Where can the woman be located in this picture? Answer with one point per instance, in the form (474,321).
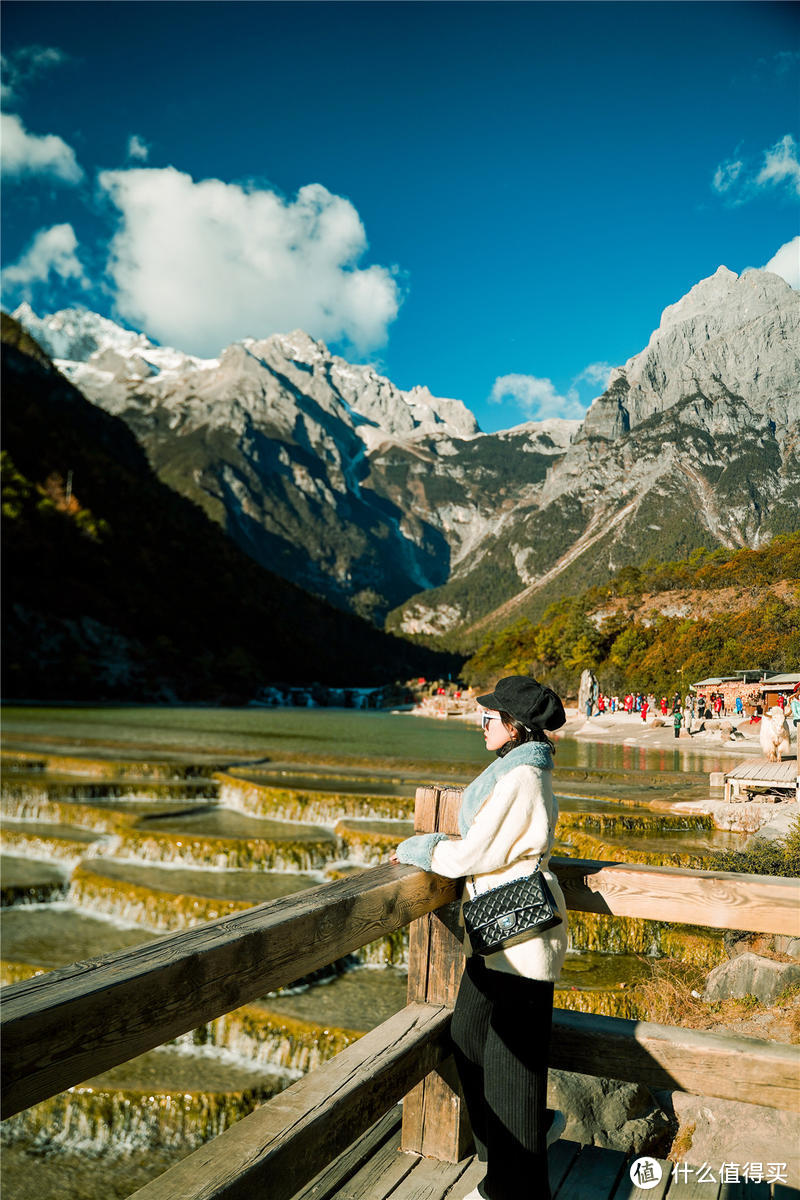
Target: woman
(503,1013)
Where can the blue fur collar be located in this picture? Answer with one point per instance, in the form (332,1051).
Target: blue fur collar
(534,754)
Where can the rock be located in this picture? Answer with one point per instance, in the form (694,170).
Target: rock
(750,975)
(760,943)
(717,1131)
(610,1113)
(587,689)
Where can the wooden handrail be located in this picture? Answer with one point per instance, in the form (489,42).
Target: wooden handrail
(283,1144)
(69,1025)
(671,1057)
(279,1148)
(718,899)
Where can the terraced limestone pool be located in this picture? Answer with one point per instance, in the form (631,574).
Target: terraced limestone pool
(123,824)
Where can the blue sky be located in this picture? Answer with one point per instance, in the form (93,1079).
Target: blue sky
(491,199)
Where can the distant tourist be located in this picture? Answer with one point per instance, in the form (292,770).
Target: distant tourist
(739,706)
(677,721)
(501,1023)
(644,708)
(794,707)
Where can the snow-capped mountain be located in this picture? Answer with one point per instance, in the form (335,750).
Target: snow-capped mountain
(327,473)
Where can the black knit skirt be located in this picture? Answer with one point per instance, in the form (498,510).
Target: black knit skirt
(501,1037)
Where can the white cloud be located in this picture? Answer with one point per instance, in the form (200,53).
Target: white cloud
(537,397)
(52,252)
(199,264)
(138,148)
(540,399)
(786,262)
(781,164)
(30,154)
(596,373)
(740,181)
(726,175)
(24,64)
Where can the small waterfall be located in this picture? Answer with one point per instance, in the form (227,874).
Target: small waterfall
(604,1001)
(585,845)
(94,1121)
(26,844)
(162,911)
(367,847)
(316,808)
(255,1035)
(248,854)
(614,823)
(37,807)
(635,935)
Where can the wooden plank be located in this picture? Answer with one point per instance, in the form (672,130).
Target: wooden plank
(626,1189)
(685,1184)
(473,1175)
(338,1177)
(426,809)
(434,1115)
(744,1190)
(381,1175)
(430,1179)
(669,1057)
(69,1025)
(720,899)
(560,1158)
(278,1148)
(593,1176)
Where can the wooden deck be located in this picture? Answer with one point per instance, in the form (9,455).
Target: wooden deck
(762,774)
(375,1168)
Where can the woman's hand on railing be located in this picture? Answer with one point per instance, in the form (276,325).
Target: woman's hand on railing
(394,859)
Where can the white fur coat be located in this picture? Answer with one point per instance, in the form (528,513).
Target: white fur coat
(516,822)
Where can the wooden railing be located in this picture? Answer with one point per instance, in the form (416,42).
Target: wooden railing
(64,1027)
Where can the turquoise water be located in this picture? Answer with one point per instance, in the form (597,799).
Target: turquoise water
(314,735)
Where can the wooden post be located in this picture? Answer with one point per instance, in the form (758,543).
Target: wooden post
(435,1122)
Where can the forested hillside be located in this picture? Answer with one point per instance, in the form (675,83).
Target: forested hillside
(663,625)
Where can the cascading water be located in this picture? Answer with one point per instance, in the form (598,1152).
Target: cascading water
(137,850)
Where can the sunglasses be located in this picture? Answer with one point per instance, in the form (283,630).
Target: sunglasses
(486,718)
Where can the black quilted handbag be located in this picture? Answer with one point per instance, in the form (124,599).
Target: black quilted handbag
(510,913)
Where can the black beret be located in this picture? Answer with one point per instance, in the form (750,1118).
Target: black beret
(527,701)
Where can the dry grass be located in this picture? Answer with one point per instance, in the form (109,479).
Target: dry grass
(672,996)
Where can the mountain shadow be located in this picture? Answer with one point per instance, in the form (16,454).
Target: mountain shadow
(115,587)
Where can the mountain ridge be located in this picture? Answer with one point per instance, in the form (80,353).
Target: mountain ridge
(391,502)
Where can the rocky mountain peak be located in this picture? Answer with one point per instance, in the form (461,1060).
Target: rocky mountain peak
(730,335)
